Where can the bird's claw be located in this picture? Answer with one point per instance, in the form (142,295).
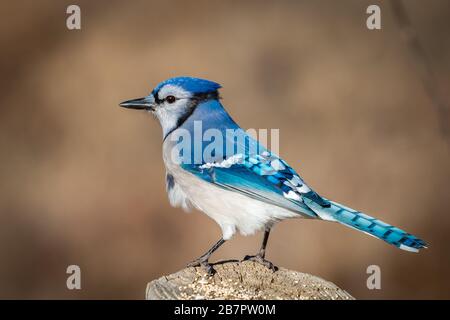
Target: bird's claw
(201,262)
(259,259)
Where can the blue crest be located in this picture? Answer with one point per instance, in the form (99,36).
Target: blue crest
(194,85)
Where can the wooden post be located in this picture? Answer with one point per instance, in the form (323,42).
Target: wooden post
(243,281)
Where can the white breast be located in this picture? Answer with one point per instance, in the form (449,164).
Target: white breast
(231,210)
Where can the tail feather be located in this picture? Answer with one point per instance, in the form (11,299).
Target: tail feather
(367,224)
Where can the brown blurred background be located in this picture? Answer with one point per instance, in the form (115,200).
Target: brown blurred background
(82,180)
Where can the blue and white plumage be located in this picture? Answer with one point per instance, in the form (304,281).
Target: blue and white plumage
(251,188)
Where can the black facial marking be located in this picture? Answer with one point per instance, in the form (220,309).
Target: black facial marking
(194,101)
(170,182)
(200,97)
(157,100)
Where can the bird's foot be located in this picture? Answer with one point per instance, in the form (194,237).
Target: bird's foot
(259,259)
(202,262)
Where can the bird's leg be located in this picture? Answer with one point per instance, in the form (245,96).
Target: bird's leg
(203,260)
(260,256)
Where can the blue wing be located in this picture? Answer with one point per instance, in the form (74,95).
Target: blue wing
(262,176)
(254,171)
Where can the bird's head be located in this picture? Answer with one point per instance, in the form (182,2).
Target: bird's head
(173,100)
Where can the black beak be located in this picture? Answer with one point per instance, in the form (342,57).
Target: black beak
(140,103)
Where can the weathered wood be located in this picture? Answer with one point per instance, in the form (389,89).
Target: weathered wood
(243,280)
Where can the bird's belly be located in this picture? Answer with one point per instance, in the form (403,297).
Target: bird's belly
(231,210)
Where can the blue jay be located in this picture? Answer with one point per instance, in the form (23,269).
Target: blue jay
(247,189)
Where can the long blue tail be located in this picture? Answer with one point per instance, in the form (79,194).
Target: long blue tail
(362,222)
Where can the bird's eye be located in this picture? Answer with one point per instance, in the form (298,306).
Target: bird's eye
(171,99)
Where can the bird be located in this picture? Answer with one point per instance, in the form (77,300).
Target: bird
(239,183)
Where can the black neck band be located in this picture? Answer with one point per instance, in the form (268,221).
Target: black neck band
(193,103)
